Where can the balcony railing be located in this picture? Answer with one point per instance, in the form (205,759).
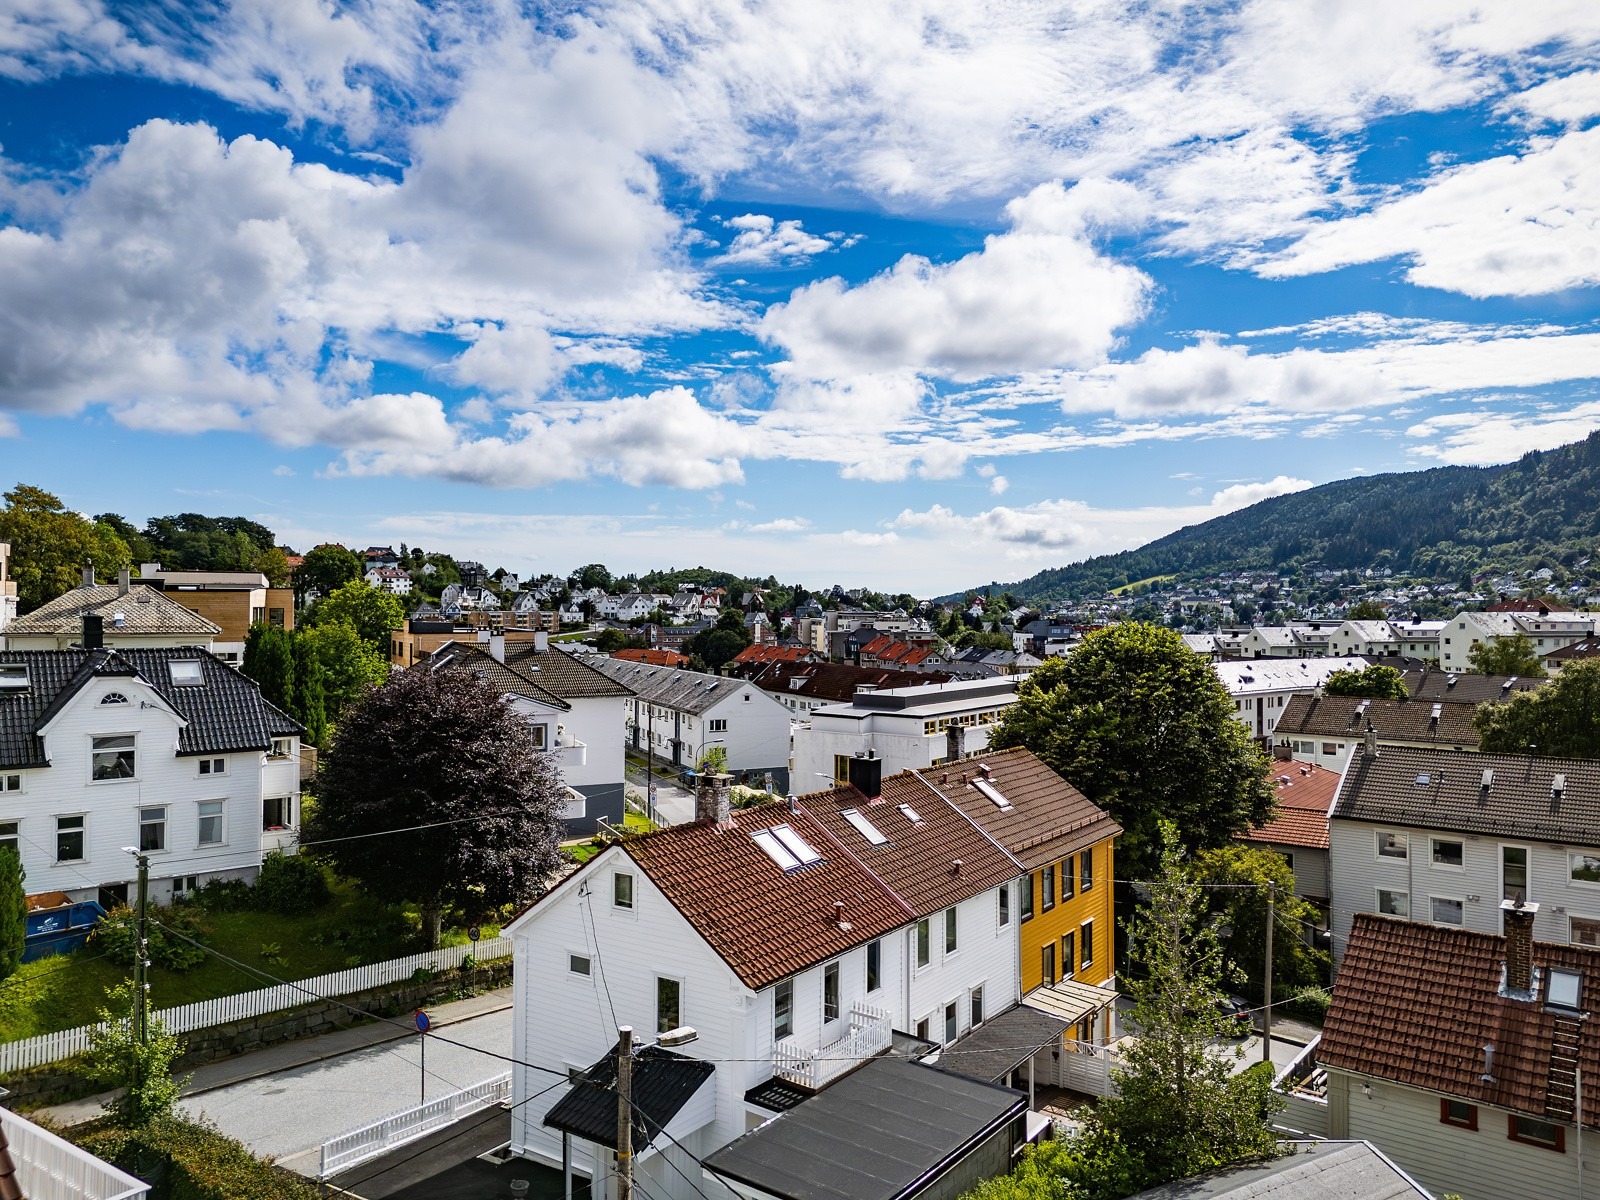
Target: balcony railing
(869,1034)
(569,752)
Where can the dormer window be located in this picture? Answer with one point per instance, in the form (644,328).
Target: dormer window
(113,698)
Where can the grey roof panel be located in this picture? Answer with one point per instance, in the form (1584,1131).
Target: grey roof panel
(663,1083)
(1337,1170)
(1002,1043)
(146,611)
(671,687)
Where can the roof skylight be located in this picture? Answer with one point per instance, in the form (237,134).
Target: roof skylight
(13,677)
(796,845)
(994,794)
(910,813)
(864,827)
(775,850)
(185,672)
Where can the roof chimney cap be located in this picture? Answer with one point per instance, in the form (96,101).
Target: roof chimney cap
(1519,905)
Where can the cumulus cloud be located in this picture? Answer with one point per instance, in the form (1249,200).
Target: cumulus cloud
(780,525)
(1477,438)
(1038,295)
(762,241)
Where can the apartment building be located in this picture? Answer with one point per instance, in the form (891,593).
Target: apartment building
(231,600)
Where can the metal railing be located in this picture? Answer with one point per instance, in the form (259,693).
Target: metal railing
(870,1033)
(368,1141)
(204,1014)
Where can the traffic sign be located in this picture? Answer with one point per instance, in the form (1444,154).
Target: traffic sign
(473,933)
(424,1023)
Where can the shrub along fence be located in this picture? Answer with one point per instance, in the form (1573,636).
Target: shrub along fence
(203,1014)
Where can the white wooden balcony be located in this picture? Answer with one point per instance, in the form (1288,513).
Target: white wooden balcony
(868,1033)
(569,752)
(279,837)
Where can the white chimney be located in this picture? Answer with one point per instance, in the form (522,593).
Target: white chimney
(497,647)
(541,642)
(124,579)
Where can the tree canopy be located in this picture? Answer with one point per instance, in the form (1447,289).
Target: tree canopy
(1367,610)
(1237,878)
(325,568)
(1511,655)
(13,910)
(440,749)
(372,612)
(1143,727)
(51,545)
(350,665)
(1561,719)
(1376,682)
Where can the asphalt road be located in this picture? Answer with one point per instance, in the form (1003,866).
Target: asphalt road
(291,1113)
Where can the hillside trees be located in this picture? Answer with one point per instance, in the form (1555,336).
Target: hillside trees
(50,545)
(1144,728)
(373,613)
(1559,720)
(439,749)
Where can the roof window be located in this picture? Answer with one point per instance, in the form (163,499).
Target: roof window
(1558,785)
(910,813)
(993,793)
(1562,988)
(185,672)
(13,677)
(864,827)
(1424,779)
(786,847)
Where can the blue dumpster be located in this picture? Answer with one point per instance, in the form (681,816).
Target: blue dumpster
(60,930)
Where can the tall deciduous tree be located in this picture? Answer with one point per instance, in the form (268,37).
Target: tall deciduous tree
(1237,880)
(13,910)
(310,701)
(1377,682)
(1561,719)
(1180,1110)
(50,545)
(371,612)
(1144,728)
(1513,655)
(440,749)
(350,666)
(1367,610)
(325,569)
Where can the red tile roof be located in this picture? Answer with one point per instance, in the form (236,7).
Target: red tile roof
(1305,794)
(1048,818)
(764,922)
(768,654)
(1416,1003)
(656,658)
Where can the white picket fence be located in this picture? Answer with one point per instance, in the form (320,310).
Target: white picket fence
(204,1014)
(369,1141)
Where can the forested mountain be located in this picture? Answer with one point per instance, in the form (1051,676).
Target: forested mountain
(1542,510)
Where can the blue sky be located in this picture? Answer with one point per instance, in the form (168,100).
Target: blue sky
(913,296)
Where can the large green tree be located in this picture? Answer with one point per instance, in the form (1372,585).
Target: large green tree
(51,545)
(1180,1110)
(1511,655)
(1367,610)
(13,910)
(371,612)
(1237,881)
(269,660)
(1559,720)
(350,666)
(1143,727)
(1376,682)
(325,569)
(439,749)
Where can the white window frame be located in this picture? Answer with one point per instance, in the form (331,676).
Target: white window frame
(1085,962)
(977,1015)
(950,1014)
(213,766)
(83,832)
(922,945)
(834,968)
(1377,902)
(782,985)
(1572,878)
(220,817)
(93,753)
(1003,900)
(541,735)
(288,812)
(717,725)
(1433,851)
(1528,867)
(281,747)
(14,840)
(1377,845)
(632,906)
(166,816)
(574,958)
(683,992)
(876,945)
(1461,900)
(12,781)
(952,931)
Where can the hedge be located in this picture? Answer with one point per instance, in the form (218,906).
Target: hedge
(181,1160)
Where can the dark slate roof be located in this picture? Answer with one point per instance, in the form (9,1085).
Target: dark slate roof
(1391,720)
(875,1135)
(835,681)
(224,713)
(1335,1170)
(144,608)
(1430,683)
(1415,1003)
(663,1083)
(1443,789)
(1001,1044)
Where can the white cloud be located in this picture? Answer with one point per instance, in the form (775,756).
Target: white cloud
(283,470)
(1516,225)
(999,485)
(1567,99)
(1038,295)
(780,525)
(1477,438)
(1242,495)
(763,242)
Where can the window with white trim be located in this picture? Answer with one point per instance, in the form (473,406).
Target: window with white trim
(717,725)
(622,890)
(282,747)
(1448,910)
(578,964)
(153,827)
(11,835)
(1585,868)
(1449,853)
(112,757)
(69,838)
(11,782)
(783,1010)
(830,992)
(213,766)
(210,814)
(277,812)
(1394,904)
(1393,843)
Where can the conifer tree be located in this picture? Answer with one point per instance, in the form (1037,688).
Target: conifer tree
(13,910)
(310,705)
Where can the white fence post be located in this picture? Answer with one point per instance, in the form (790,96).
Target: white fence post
(206,1014)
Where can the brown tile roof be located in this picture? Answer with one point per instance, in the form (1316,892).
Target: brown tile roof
(767,654)
(1392,720)
(1576,652)
(1430,683)
(1048,818)
(1443,789)
(837,681)
(917,861)
(567,675)
(508,680)
(1305,794)
(1416,1003)
(766,923)
(145,611)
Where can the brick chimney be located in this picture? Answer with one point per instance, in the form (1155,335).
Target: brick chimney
(713,798)
(1518,917)
(955,741)
(88,575)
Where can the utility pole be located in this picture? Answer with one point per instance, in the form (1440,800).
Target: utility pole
(625,1112)
(141,965)
(1266,1013)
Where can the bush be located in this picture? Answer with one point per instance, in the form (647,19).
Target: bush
(291,885)
(187,1161)
(224,896)
(117,936)
(1308,1004)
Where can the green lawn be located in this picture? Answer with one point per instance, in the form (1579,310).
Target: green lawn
(352,930)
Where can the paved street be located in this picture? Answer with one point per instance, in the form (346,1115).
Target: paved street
(674,805)
(290,1113)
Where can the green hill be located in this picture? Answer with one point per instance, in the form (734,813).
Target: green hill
(1542,510)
